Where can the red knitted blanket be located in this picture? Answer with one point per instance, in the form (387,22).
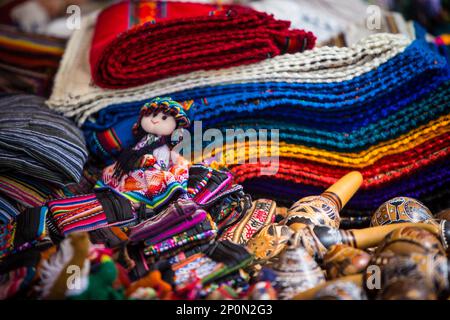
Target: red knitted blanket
(136,42)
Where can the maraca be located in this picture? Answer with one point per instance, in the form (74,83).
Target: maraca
(407,240)
(313,210)
(324,209)
(401,209)
(317,240)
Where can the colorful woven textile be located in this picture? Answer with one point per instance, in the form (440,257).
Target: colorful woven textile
(184,37)
(178,214)
(27,231)
(28,62)
(201,233)
(386,114)
(89,212)
(74,94)
(8,212)
(12,282)
(260,214)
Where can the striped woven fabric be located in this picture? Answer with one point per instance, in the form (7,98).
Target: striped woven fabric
(156,202)
(36,140)
(28,62)
(8,212)
(27,231)
(89,212)
(201,233)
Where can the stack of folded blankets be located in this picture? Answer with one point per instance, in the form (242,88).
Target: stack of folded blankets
(29,172)
(28,62)
(118,50)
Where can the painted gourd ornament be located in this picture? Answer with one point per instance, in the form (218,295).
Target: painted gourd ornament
(309,211)
(429,274)
(401,209)
(269,242)
(296,271)
(341,290)
(407,289)
(317,240)
(407,240)
(324,209)
(342,260)
(443,215)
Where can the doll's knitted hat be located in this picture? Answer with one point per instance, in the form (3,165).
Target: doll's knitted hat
(167,106)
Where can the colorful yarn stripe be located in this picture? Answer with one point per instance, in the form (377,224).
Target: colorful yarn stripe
(8,212)
(418,185)
(27,191)
(155,202)
(201,184)
(294,111)
(343,64)
(183,240)
(82,213)
(304,172)
(354,160)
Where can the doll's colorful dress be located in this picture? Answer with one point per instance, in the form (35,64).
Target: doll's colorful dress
(158,179)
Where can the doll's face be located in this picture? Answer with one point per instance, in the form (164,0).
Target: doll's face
(159,124)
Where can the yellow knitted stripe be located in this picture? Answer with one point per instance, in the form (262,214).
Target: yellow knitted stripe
(355,160)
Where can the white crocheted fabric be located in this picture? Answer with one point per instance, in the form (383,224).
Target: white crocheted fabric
(74,95)
(325,18)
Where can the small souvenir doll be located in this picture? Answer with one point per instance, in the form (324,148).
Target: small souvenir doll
(150,172)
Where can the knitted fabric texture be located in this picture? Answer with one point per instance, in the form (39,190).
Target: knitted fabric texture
(74,95)
(36,140)
(223,36)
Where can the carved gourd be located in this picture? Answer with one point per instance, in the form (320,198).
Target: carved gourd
(324,209)
(401,209)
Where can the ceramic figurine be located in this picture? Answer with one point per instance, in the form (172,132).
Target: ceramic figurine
(324,209)
(295,271)
(343,260)
(401,209)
